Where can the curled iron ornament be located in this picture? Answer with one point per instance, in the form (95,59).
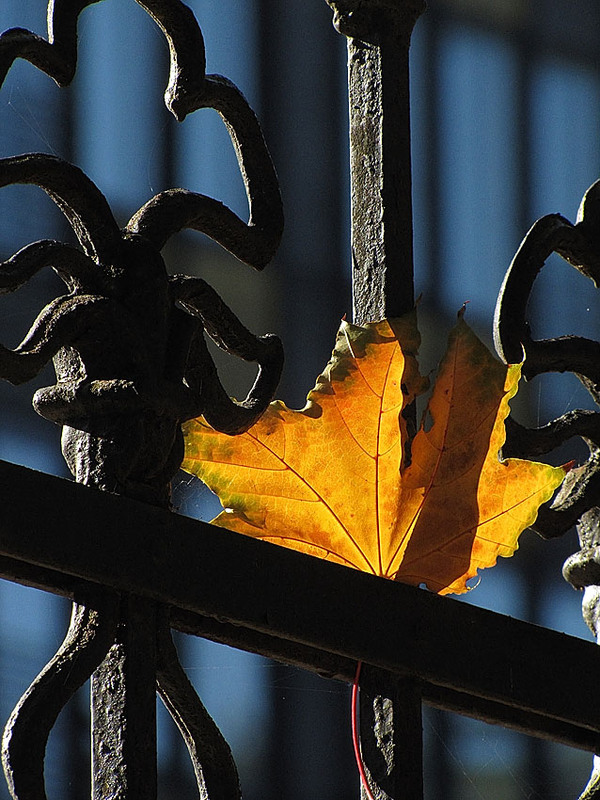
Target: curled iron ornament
(128,346)
(578,501)
(579,245)
(127,341)
(87,641)
(57,55)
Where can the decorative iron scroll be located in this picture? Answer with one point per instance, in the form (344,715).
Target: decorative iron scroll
(579,245)
(131,361)
(578,501)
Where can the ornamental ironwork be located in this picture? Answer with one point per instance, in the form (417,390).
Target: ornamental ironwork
(128,346)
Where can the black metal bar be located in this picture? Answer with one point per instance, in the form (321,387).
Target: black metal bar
(330,665)
(277,594)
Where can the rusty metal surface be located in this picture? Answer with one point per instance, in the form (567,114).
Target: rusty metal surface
(380,167)
(123,692)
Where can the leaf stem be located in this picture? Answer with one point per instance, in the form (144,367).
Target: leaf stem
(355,738)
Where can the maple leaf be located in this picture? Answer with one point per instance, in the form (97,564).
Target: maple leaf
(341,479)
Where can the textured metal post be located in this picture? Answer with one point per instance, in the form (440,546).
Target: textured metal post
(582,570)
(379,34)
(391,738)
(124,708)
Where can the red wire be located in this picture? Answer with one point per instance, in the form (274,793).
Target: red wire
(355,738)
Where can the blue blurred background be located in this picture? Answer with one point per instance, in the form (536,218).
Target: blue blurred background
(506,112)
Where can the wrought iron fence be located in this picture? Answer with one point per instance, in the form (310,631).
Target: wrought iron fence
(128,347)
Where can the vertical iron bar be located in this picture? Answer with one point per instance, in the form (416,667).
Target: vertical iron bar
(391,738)
(124,708)
(379,34)
(582,570)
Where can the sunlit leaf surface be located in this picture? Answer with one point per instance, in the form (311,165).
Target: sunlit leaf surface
(341,479)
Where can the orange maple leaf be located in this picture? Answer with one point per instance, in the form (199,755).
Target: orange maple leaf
(341,479)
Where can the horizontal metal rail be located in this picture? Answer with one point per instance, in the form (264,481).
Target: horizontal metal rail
(59,536)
